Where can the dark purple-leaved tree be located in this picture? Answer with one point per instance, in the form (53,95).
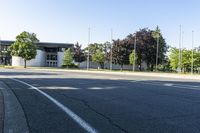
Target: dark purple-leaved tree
(78,53)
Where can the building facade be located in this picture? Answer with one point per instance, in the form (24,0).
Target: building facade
(48,54)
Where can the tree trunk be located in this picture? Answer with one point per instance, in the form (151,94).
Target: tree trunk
(24,63)
(152,66)
(140,67)
(148,67)
(79,65)
(101,65)
(121,67)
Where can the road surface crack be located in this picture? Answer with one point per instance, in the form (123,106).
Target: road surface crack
(104,116)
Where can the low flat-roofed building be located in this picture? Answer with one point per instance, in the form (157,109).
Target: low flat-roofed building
(48,54)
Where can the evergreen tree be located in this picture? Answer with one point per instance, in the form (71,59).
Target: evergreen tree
(68,58)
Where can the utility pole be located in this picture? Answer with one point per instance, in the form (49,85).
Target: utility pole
(111,37)
(88,58)
(182,52)
(157,36)
(135,52)
(192,64)
(157,54)
(179,59)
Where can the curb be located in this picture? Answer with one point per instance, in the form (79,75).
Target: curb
(1,111)
(145,74)
(14,118)
(162,75)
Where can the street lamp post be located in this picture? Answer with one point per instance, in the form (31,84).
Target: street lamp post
(179,58)
(88,57)
(134,52)
(111,49)
(157,54)
(156,35)
(192,63)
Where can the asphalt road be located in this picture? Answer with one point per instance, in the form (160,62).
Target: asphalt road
(73,102)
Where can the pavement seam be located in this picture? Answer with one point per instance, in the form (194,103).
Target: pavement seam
(104,116)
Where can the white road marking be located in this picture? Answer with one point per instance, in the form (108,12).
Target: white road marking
(172,85)
(102,88)
(59,88)
(168,84)
(69,112)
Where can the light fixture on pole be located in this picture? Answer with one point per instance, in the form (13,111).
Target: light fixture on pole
(192,63)
(88,56)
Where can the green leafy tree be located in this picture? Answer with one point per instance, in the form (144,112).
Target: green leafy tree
(103,47)
(24,46)
(106,49)
(132,57)
(156,33)
(197,60)
(174,58)
(93,49)
(186,59)
(99,57)
(68,58)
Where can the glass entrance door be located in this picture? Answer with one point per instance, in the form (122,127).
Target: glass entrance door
(51,59)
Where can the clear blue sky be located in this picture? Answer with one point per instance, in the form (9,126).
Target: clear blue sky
(68,20)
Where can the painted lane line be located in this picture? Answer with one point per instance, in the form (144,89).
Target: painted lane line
(70,113)
(172,85)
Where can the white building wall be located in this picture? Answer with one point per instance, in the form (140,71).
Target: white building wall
(40,60)
(60,56)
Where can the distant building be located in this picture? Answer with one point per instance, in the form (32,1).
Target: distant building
(48,54)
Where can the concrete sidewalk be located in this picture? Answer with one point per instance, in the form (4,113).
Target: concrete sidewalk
(147,74)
